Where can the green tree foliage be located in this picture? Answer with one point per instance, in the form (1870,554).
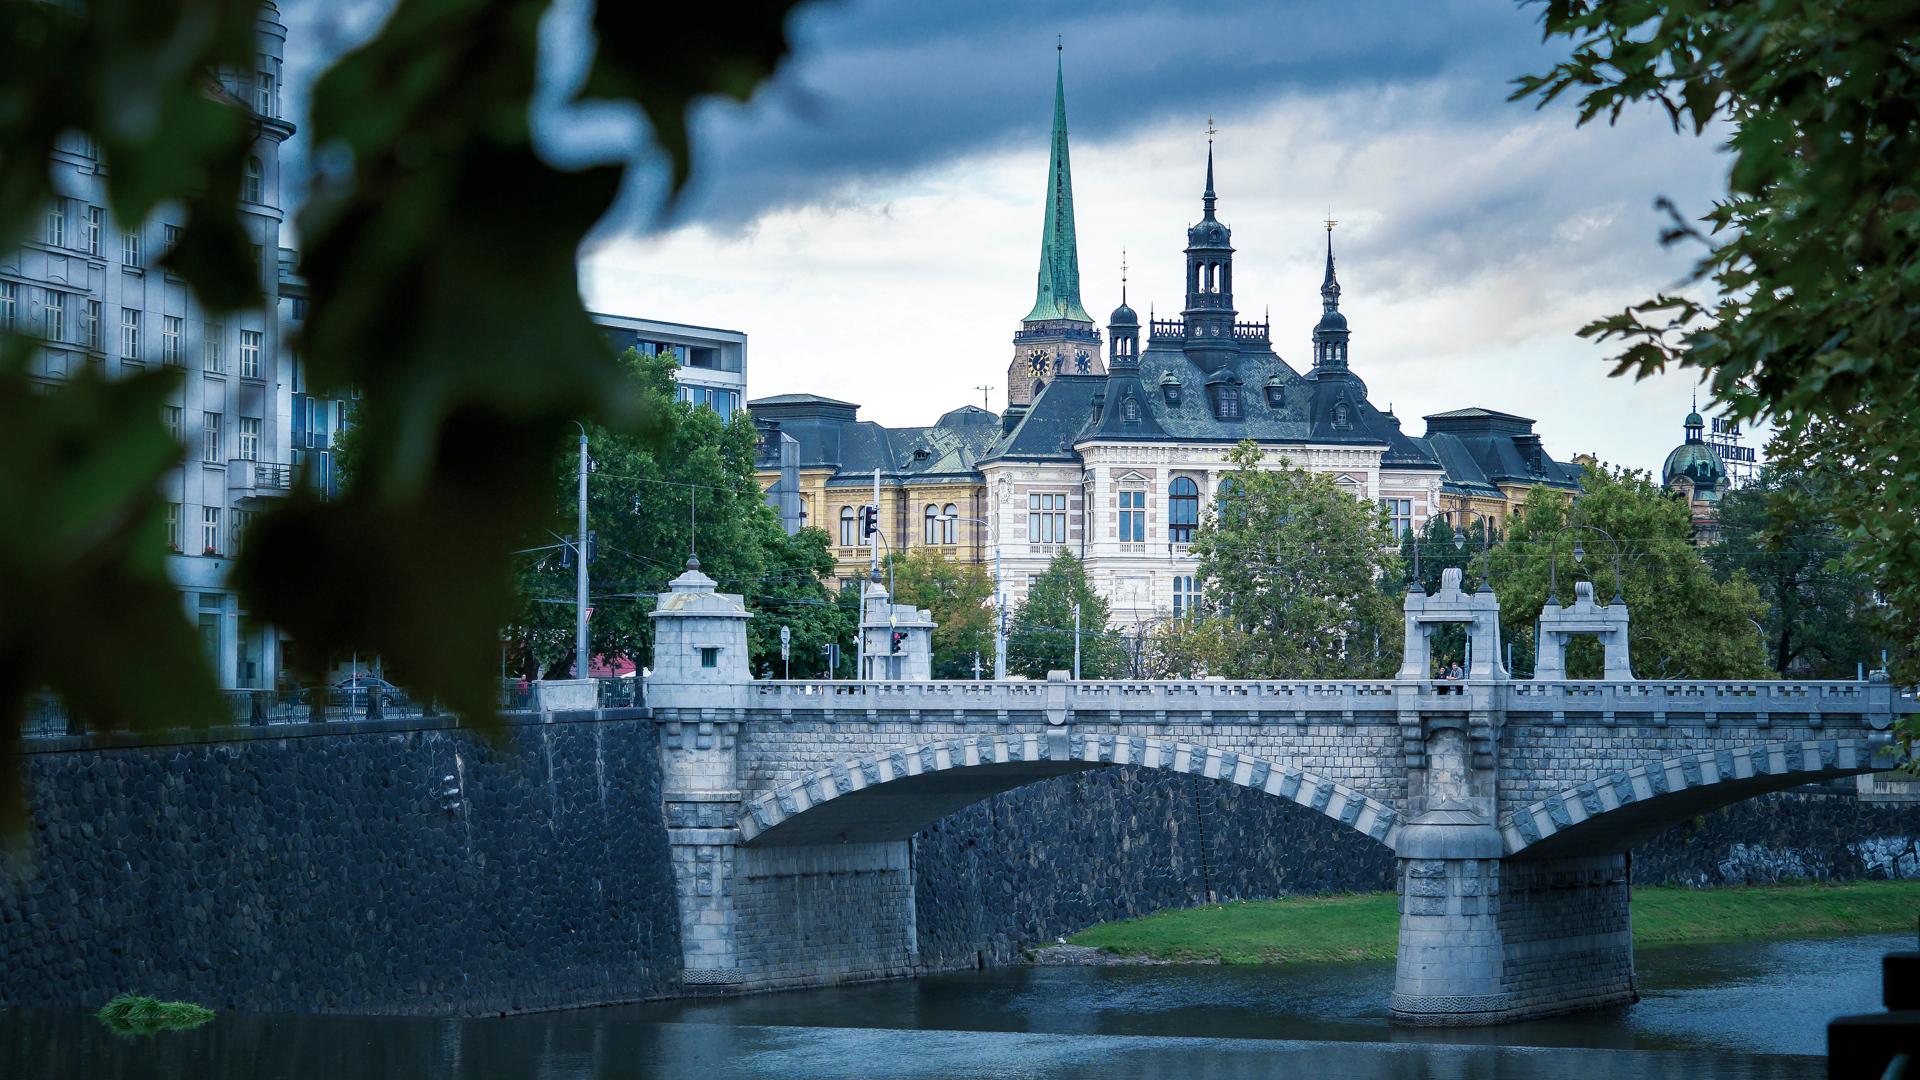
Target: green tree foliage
(433,290)
(1300,575)
(1190,648)
(1041,636)
(650,507)
(960,597)
(1811,300)
(1687,623)
(1822,615)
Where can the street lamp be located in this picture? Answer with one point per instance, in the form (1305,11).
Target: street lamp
(1486,544)
(1579,555)
(999,602)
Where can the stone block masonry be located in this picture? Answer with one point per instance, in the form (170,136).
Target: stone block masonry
(402,867)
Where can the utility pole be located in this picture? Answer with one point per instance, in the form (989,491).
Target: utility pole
(1076,640)
(580,570)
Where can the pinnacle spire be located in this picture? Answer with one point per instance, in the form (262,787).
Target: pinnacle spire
(1208,198)
(1057,294)
(1330,285)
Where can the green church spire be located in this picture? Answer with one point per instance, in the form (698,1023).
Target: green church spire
(1058,294)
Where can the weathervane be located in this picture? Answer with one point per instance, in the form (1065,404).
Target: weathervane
(1123,275)
(1211,130)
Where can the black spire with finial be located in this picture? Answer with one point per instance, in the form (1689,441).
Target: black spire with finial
(1330,334)
(1207,198)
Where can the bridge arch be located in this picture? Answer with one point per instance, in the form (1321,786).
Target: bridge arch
(893,795)
(1615,811)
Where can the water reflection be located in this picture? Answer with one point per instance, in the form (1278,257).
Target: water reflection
(1736,1011)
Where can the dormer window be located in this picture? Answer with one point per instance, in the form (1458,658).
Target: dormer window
(1170,387)
(1342,416)
(1130,410)
(1277,394)
(1226,402)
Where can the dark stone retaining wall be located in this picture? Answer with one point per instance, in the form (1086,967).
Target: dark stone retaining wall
(1056,857)
(376,867)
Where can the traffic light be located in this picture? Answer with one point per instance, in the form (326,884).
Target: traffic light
(899,642)
(869,521)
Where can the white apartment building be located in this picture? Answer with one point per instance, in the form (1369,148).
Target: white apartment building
(92,288)
(713,363)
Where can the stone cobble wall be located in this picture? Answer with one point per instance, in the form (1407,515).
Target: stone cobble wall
(1791,836)
(1058,856)
(390,867)
(1566,933)
(1540,759)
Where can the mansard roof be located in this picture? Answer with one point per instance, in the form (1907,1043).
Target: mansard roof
(1331,409)
(1483,448)
(830,436)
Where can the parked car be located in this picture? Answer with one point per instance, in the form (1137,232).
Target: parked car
(353,692)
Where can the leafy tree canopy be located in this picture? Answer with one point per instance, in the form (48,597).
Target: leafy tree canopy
(1041,638)
(1823,619)
(1812,303)
(1687,623)
(960,597)
(1301,575)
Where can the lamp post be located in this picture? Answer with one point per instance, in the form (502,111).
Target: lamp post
(999,602)
(1579,554)
(1486,543)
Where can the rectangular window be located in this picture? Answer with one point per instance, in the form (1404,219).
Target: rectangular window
(1133,517)
(9,305)
(250,341)
(210,438)
(172,329)
(1399,515)
(130,248)
(1047,518)
(171,236)
(170,415)
(709,656)
(90,325)
(129,334)
(250,438)
(57,224)
(95,226)
(210,529)
(1186,595)
(214,359)
(56,316)
(263,94)
(240,520)
(173,526)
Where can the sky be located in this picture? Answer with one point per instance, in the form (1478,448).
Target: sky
(871,218)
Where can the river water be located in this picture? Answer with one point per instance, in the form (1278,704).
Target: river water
(1754,1010)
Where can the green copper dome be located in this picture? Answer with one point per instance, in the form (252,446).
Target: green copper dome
(1699,464)
(1058,293)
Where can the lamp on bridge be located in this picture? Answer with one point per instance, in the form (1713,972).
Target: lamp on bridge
(1486,544)
(1579,555)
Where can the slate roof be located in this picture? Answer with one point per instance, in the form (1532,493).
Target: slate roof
(1309,409)
(830,436)
(1483,448)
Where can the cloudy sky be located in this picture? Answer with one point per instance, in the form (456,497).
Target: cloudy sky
(871,219)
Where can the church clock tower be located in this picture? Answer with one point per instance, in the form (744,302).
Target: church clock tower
(1057,337)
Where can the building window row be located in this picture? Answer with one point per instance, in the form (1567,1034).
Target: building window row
(1133,517)
(1186,596)
(1399,516)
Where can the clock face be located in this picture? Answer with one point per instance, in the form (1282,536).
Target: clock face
(1037,362)
(1081,363)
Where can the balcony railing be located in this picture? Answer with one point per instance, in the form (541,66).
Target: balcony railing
(264,479)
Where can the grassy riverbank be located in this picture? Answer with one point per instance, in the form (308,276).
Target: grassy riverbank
(1364,927)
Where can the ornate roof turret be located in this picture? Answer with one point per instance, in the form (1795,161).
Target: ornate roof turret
(1330,333)
(1696,462)
(1057,295)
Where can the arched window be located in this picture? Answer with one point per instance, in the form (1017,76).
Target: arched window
(950,525)
(1038,385)
(1183,509)
(933,524)
(1226,498)
(255,187)
(849,531)
(1130,410)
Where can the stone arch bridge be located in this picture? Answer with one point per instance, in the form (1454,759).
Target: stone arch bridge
(1510,804)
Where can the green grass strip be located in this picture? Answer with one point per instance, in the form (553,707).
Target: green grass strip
(1365,927)
(131,1014)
